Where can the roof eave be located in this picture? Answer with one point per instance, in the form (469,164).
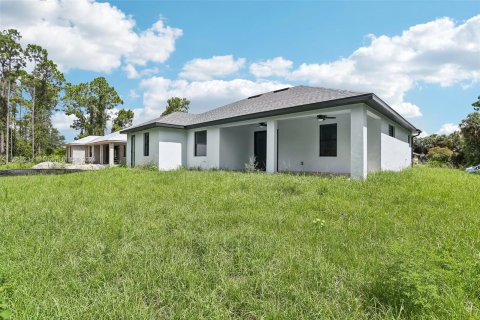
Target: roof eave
(106,142)
(381,106)
(151,125)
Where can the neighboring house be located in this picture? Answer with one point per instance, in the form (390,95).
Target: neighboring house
(109,149)
(292,129)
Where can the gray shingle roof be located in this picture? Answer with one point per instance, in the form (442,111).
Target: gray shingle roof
(282,100)
(274,100)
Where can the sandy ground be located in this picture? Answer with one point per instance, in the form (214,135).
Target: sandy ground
(57,165)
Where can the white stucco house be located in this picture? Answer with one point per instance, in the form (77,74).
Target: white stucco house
(109,149)
(292,129)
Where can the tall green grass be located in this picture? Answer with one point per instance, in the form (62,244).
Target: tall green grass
(135,244)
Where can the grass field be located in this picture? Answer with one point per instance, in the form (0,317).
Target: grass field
(137,244)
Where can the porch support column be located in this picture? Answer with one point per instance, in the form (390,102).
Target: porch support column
(110,155)
(213,148)
(358,141)
(101,153)
(271,146)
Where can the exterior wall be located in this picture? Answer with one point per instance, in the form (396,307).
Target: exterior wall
(236,146)
(170,155)
(170,135)
(140,159)
(374,144)
(396,153)
(231,145)
(299,141)
(212,159)
(157,135)
(359,142)
(78,154)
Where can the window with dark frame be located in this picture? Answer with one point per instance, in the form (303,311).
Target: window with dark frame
(391,130)
(125,151)
(146,144)
(200,143)
(328,140)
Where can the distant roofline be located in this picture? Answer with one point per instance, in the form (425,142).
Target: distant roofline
(96,140)
(370,99)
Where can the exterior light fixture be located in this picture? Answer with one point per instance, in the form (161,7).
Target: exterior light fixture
(262,125)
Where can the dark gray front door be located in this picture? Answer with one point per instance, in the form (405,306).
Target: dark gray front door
(260,149)
(106,152)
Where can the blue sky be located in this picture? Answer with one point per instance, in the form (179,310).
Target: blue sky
(421,57)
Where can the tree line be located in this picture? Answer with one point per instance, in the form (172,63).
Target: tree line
(32,89)
(458,149)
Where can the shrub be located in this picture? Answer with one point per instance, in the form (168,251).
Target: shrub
(440,154)
(438,164)
(150,166)
(251,165)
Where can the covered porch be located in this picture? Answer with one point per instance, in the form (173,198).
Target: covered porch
(344,140)
(113,153)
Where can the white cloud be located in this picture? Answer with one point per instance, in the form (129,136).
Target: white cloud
(133,94)
(155,44)
(133,73)
(438,52)
(448,128)
(423,134)
(88,35)
(272,67)
(207,69)
(204,95)
(62,122)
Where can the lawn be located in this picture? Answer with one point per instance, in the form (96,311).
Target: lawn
(137,244)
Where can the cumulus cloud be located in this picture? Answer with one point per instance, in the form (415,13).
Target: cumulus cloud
(204,95)
(423,134)
(133,73)
(438,52)
(207,69)
(272,67)
(88,35)
(155,44)
(133,94)
(62,122)
(448,128)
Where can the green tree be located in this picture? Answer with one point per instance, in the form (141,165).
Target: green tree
(476,104)
(123,119)
(440,154)
(76,104)
(90,103)
(470,128)
(103,98)
(11,61)
(28,98)
(46,84)
(453,142)
(176,104)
